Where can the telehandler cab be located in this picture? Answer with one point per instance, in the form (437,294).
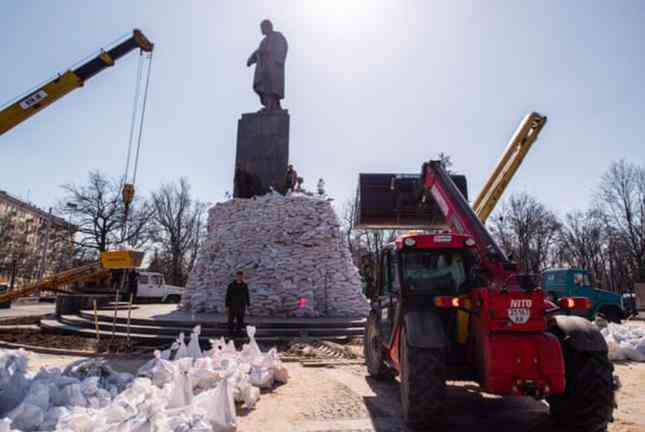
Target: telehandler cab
(449,305)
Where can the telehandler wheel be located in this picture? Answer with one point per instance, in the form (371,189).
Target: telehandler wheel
(612,314)
(588,401)
(423,383)
(373,349)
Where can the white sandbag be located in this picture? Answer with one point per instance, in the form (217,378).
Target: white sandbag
(81,420)
(182,350)
(187,421)
(624,342)
(182,393)
(118,412)
(193,348)
(53,415)
(280,372)
(48,374)
(38,395)
(26,417)
(89,386)
(73,396)
(218,406)
(13,380)
(205,378)
(159,370)
(119,379)
(261,377)
(253,345)
(640,346)
(5,425)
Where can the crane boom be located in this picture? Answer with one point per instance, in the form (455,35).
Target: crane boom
(508,165)
(45,95)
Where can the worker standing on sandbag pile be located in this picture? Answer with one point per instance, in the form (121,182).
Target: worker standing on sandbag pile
(291,180)
(237,300)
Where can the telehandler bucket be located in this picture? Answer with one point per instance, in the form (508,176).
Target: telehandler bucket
(394,201)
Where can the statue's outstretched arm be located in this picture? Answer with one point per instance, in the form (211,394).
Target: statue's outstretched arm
(253,58)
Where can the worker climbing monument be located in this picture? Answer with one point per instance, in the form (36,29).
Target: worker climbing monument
(289,246)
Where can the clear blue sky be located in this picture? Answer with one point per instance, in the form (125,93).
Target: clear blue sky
(371,86)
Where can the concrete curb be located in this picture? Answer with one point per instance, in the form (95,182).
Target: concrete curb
(4,327)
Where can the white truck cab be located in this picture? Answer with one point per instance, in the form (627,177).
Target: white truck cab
(152,286)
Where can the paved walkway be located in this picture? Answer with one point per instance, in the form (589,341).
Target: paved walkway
(27,310)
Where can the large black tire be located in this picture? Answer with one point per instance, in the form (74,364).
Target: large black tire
(588,403)
(423,384)
(612,313)
(373,349)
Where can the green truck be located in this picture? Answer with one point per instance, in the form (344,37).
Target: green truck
(574,282)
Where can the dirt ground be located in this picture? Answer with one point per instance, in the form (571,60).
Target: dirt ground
(345,399)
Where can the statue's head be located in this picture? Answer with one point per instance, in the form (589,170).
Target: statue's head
(266,26)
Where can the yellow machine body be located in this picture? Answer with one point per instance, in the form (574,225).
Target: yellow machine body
(124,259)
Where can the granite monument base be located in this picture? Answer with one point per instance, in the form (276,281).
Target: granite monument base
(262,153)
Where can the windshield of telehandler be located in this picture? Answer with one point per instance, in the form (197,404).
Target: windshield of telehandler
(434,271)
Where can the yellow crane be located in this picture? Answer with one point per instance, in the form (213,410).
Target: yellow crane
(36,100)
(511,159)
(26,106)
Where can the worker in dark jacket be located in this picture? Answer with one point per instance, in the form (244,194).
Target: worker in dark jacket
(237,300)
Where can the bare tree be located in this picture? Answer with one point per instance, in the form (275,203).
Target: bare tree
(98,210)
(526,231)
(622,200)
(178,229)
(582,242)
(363,243)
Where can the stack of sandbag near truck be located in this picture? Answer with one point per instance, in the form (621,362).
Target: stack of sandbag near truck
(181,389)
(291,251)
(624,341)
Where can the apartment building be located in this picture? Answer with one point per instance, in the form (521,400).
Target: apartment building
(24,231)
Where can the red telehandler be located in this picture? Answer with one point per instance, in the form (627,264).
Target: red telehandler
(449,305)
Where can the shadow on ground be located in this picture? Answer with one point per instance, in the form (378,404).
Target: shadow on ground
(466,409)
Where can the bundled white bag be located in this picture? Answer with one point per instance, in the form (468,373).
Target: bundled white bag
(280,371)
(182,387)
(193,348)
(253,345)
(182,350)
(218,406)
(159,370)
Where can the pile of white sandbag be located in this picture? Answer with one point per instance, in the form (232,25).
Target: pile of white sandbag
(625,341)
(291,252)
(39,402)
(181,389)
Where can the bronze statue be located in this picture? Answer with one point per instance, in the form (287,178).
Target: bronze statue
(269,59)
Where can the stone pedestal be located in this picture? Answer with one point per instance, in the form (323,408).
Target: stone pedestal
(262,154)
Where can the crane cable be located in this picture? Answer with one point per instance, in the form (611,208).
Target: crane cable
(128,188)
